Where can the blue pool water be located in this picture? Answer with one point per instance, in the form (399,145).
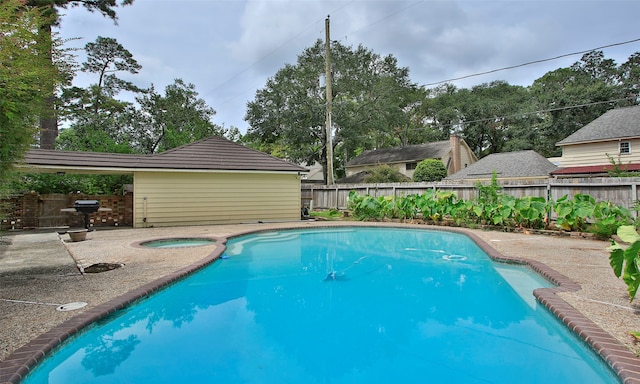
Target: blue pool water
(365,305)
(177,243)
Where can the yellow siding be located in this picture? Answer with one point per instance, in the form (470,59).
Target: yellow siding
(596,154)
(198,198)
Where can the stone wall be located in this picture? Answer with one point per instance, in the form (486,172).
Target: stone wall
(26,211)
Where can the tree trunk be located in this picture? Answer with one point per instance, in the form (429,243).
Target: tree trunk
(48,119)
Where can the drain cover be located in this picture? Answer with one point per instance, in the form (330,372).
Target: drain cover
(102,267)
(71,306)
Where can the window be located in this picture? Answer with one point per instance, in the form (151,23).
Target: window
(625,147)
(411,166)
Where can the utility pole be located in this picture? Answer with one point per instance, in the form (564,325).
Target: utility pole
(329,141)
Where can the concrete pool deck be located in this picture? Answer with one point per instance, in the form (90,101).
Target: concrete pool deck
(39,271)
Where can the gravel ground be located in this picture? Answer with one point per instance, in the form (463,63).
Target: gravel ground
(42,268)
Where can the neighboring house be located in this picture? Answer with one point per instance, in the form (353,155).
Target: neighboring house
(613,136)
(315,175)
(454,153)
(520,165)
(211,181)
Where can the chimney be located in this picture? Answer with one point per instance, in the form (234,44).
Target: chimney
(454,142)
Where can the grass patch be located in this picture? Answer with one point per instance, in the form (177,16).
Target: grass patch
(331,214)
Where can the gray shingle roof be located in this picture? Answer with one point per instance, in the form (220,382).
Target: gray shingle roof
(519,164)
(410,153)
(620,123)
(213,153)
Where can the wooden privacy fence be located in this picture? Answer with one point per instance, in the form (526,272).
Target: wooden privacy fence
(622,191)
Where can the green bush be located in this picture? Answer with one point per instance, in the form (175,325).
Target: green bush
(385,174)
(430,170)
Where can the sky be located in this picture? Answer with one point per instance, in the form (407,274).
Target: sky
(229,48)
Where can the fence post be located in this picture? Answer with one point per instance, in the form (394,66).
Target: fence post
(634,198)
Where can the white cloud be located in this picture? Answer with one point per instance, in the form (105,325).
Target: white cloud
(228,48)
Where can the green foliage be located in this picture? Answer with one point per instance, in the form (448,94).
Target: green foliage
(532,212)
(625,262)
(45,183)
(25,70)
(494,208)
(608,217)
(176,118)
(372,100)
(366,207)
(619,169)
(330,214)
(572,214)
(430,170)
(385,174)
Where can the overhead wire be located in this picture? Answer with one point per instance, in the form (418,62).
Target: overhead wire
(271,52)
(390,15)
(531,62)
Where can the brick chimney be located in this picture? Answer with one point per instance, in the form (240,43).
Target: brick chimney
(454,142)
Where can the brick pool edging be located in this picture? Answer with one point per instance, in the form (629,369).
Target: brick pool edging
(623,362)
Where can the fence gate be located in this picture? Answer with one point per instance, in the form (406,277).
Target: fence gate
(50,214)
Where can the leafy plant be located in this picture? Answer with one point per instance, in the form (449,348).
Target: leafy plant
(531,212)
(626,261)
(367,207)
(572,214)
(608,217)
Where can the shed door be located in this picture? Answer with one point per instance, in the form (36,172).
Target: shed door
(50,214)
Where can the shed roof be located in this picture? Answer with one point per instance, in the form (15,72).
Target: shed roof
(409,153)
(519,164)
(620,123)
(213,153)
(595,169)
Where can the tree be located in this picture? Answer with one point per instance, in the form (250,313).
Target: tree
(371,100)
(573,97)
(430,170)
(179,117)
(629,76)
(98,121)
(106,57)
(25,69)
(48,118)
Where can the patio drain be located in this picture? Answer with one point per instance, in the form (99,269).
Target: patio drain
(102,267)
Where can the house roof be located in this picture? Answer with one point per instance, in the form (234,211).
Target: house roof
(594,169)
(409,153)
(356,178)
(620,123)
(519,164)
(213,153)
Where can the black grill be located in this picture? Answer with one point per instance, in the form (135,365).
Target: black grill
(86,207)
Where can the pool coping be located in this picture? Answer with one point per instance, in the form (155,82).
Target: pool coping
(621,360)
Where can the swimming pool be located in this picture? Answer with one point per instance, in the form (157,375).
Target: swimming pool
(335,305)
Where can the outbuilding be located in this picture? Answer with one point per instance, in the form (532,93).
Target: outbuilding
(211,181)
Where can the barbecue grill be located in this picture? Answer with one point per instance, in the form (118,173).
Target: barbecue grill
(86,207)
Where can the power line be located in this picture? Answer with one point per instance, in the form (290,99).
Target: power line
(531,62)
(386,17)
(273,51)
